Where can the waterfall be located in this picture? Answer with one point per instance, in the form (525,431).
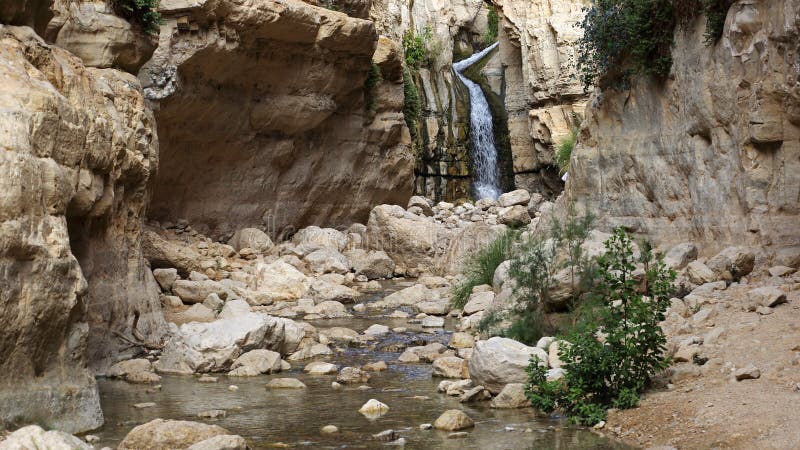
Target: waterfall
(486,177)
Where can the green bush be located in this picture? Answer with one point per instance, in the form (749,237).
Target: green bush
(491,32)
(564,150)
(480,267)
(612,371)
(374,79)
(141,12)
(412,105)
(415,48)
(625,38)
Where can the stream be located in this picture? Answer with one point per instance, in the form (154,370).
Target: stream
(293,418)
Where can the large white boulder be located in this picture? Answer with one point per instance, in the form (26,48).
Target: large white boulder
(518,197)
(213,347)
(409,296)
(278,281)
(372,264)
(500,361)
(34,437)
(327,260)
(251,238)
(313,238)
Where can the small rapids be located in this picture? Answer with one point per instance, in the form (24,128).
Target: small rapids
(484,153)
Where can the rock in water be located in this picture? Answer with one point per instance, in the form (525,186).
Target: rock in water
(285,383)
(373,409)
(512,396)
(453,420)
(160,434)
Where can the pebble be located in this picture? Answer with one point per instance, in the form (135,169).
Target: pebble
(207,379)
(330,429)
(144,405)
(336,385)
(426,426)
(750,372)
(213,414)
(233,388)
(457,435)
(90,438)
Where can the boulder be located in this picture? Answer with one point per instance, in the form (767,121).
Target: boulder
(378,366)
(553,360)
(134,371)
(320,368)
(323,291)
(768,296)
(166,278)
(679,256)
(330,309)
(513,198)
(196,313)
(213,347)
(234,308)
(453,420)
(427,353)
(409,240)
(327,260)
(699,273)
(476,394)
(409,296)
(501,275)
(259,361)
(781,271)
(461,340)
(376,330)
(421,203)
(213,302)
(34,437)
(221,442)
(433,322)
(373,264)
(279,281)
(450,367)
(512,396)
(499,361)
(160,434)
(311,351)
(435,307)
(338,334)
(285,383)
(478,301)
(251,238)
(732,263)
(314,238)
(197,291)
(352,375)
(373,408)
(514,216)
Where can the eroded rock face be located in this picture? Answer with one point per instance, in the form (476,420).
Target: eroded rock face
(78,151)
(714,153)
(542,94)
(264,118)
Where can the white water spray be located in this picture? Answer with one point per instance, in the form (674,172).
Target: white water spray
(486,177)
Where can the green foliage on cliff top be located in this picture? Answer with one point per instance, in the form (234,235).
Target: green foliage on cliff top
(612,371)
(412,105)
(141,12)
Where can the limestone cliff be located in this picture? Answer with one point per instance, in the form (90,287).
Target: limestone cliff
(265,118)
(78,150)
(539,85)
(713,153)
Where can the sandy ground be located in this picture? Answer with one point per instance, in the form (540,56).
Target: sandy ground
(703,406)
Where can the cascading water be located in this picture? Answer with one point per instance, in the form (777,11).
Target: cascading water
(486,177)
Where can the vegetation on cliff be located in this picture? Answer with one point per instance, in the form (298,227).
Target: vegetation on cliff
(615,350)
(624,39)
(141,12)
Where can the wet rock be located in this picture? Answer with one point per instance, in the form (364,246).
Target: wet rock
(352,375)
(160,434)
(34,437)
(373,408)
(376,330)
(385,436)
(499,361)
(458,435)
(428,353)
(320,368)
(207,379)
(476,394)
(311,351)
(144,405)
(433,322)
(426,426)
(458,388)
(408,357)
(213,414)
(453,420)
(285,383)
(339,334)
(378,366)
(134,371)
(512,396)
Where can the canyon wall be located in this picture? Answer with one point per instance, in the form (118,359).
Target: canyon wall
(78,151)
(538,82)
(713,153)
(265,117)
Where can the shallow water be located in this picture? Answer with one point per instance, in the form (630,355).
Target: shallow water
(295,417)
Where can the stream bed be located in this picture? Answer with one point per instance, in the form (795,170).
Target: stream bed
(293,418)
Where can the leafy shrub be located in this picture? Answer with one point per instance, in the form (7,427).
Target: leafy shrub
(374,79)
(533,272)
(481,266)
(625,38)
(564,149)
(490,37)
(141,12)
(613,371)
(415,48)
(412,106)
